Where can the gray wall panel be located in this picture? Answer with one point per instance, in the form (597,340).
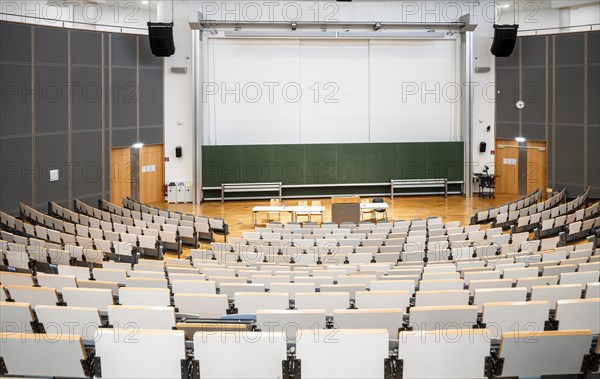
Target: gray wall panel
(51,45)
(534,94)
(593,50)
(593,158)
(15,107)
(87,163)
(594,94)
(507,81)
(569,48)
(51,108)
(151,97)
(86,48)
(51,152)
(569,95)
(15,40)
(124,137)
(124,50)
(152,136)
(16,172)
(505,130)
(534,132)
(124,97)
(86,112)
(90,128)
(569,154)
(533,51)
(147,59)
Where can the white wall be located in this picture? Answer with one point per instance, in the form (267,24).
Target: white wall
(179,96)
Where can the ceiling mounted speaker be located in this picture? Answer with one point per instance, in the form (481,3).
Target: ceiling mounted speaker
(505,38)
(161,38)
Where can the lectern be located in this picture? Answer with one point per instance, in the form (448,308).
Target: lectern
(345,209)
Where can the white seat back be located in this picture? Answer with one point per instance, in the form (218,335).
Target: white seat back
(203,305)
(267,348)
(461,353)
(123,359)
(100,298)
(142,317)
(347,358)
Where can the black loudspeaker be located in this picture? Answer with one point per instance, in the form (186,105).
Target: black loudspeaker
(178,152)
(505,38)
(161,38)
(482,147)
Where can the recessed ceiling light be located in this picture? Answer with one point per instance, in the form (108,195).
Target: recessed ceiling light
(145,2)
(506,6)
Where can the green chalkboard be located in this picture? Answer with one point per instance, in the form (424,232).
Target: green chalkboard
(332,163)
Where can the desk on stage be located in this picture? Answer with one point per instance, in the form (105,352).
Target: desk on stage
(280,209)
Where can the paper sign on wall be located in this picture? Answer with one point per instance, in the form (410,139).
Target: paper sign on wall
(510,161)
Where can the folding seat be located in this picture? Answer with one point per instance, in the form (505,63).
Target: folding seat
(140,273)
(591,266)
(57,355)
(82,230)
(54,236)
(17,259)
(146,282)
(480,275)
(579,277)
(193,286)
(519,273)
(230,289)
(249,302)
(143,317)
(592,290)
(439,298)
(290,321)
(70,321)
(553,293)
(578,314)
(122,359)
(549,243)
(322,300)
(553,353)
(202,305)
(349,288)
(56,281)
(500,317)
(99,298)
(498,295)
(15,279)
(364,280)
(345,359)
(33,295)
(145,296)
(383,299)
(37,253)
(388,319)
(16,317)
(443,317)
(292,288)
(558,270)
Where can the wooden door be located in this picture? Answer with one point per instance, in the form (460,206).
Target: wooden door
(152,178)
(536,166)
(120,174)
(507,167)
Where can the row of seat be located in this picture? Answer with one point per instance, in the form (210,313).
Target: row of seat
(462,353)
(488,215)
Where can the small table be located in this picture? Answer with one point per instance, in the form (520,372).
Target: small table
(292,210)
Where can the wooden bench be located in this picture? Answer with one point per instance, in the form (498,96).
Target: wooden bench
(251,187)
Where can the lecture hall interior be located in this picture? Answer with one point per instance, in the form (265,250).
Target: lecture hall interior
(325,189)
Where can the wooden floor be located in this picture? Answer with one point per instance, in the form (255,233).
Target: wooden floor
(238,214)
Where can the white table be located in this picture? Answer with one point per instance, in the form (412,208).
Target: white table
(279,209)
(367,206)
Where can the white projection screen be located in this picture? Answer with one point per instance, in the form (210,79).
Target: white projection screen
(294,91)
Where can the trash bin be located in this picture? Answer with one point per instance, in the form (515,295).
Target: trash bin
(189,195)
(172,193)
(181,192)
